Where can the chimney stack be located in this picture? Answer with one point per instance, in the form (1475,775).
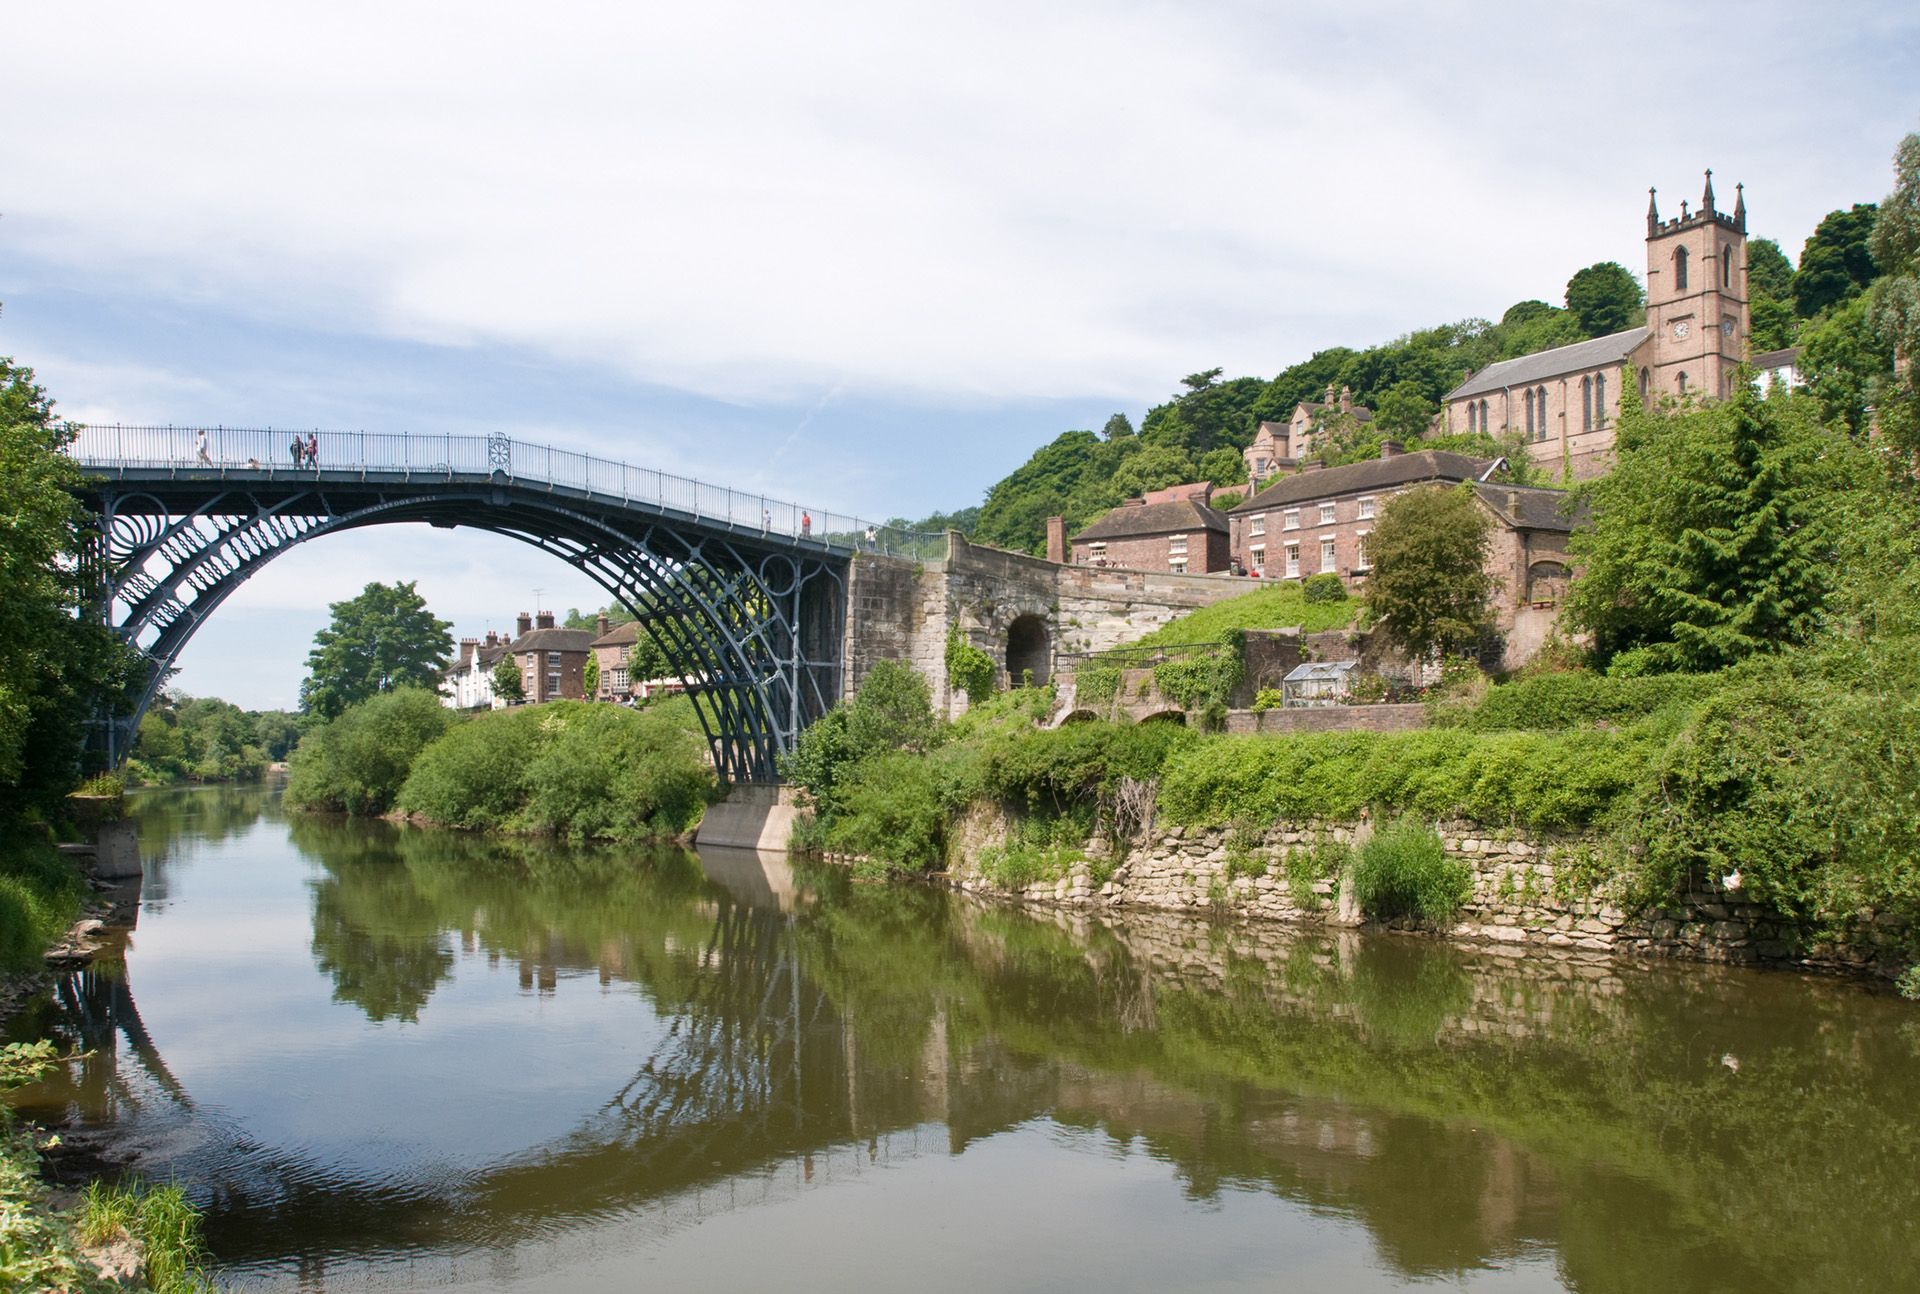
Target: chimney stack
(1057,540)
(467,648)
(1329,399)
(1391,449)
(1346,399)
(543,620)
(525,623)
(600,625)
(493,639)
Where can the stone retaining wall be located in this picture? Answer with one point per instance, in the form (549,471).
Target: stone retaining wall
(1527,896)
(1330,718)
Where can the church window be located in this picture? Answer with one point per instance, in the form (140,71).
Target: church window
(1643,385)
(1679,269)
(1586,404)
(1472,417)
(1683,381)
(1600,400)
(1530,435)
(1484,424)
(1726,267)
(1540,403)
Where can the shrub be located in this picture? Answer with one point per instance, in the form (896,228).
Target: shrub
(1404,871)
(968,668)
(1194,682)
(1578,699)
(357,762)
(39,896)
(1323,588)
(475,776)
(1268,698)
(1306,865)
(1096,685)
(893,812)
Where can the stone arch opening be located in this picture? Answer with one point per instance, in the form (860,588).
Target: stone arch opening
(1029,649)
(1546,583)
(1166,716)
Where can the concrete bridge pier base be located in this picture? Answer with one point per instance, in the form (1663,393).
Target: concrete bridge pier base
(751,817)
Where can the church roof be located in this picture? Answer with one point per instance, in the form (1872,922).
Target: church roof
(1131,520)
(1372,474)
(1595,352)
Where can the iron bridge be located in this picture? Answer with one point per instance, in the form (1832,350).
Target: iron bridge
(745,595)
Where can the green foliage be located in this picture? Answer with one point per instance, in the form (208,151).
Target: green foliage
(382,639)
(508,685)
(892,711)
(61,668)
(968,668)
(1097,685)
(357,762)
(1894,305)
(1305,866)
(1274,606)
(1909,983)
(1847,361)
(475,775)
(891,809)
(1836,264)
(1403,871)
(1268,698)
(1606,299)
(1037,849)
(1429,588)
(1199,680)
(1579,699)
(1317,590)
(590,676)
(1711,539)
(40,894)
(205,739)
(161,1220)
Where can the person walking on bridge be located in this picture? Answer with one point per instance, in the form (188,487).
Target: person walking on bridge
(313,451)
(297,448)
(806,524)
(200,448)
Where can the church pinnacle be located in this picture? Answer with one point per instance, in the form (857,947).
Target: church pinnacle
(1706,199)
(1653,215)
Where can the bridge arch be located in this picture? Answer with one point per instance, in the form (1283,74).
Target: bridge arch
(753,616)
(1029,649)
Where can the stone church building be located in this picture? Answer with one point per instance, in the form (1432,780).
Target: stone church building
(1565,401)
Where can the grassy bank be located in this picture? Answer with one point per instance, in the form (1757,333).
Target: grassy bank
(567,768)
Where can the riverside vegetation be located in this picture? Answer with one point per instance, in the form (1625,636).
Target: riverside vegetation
(1746,716)
(569,768)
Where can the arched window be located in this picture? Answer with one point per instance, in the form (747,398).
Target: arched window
(1643,386)
(1540,403)
(1530,435)
(1726,267)
(1485,425)
(1683,381)
(1586,404)
(1471,418)
(1600,400)
(1679,269)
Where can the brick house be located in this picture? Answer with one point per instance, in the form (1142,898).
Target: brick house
(1175,529)
(613,649)
(1318,519)
(1565,401)
(1281,446)
(552,661)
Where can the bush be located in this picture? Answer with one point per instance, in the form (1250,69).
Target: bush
(475,776)
(1578,699)
(968,668)
(357,762)
(40,895)
(1096,685)
(893,812)
(1323,588)
(1404,871)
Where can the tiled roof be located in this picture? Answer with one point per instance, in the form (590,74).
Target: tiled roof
(1130,521)
(1527,507)
(553,640)
(1373,474)
(620,635)
(1596,352)
(1360,412)
(1775,358)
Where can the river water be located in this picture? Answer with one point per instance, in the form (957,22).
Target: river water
(391,1059)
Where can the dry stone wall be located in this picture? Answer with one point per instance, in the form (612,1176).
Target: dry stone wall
(1528,895)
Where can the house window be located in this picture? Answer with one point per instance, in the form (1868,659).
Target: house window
(1257,524)
(1360,552)
(1679,269)
(1326,514)
(1177,554)
(1366,508)
(1293,561)
(1176,543)
(1257,559)
(617,679)
(1097,553)
(626,653)
(1290,519)
(1600,400)
(1326,554)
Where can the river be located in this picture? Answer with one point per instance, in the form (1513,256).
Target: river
(386,1058)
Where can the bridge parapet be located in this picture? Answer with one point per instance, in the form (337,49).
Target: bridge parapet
(245,454)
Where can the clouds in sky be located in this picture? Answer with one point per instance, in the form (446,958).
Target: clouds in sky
(873,250)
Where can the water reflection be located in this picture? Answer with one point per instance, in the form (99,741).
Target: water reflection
(631,1031)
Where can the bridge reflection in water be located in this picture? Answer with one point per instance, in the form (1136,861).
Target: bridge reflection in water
(1460,1113)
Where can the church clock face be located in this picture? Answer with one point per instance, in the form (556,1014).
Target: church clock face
(1681,329)
(1726,329)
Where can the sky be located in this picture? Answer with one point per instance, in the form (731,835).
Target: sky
(867,256)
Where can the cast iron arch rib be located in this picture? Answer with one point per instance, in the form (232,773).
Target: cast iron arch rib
(753,621)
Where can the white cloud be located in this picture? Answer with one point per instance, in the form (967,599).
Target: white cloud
(982,202)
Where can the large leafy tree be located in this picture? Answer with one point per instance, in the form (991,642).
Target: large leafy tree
(1894,308)
(1429,588)
(62,670)
(1836,264)
(384,638)
(1606,298)
(1712,538)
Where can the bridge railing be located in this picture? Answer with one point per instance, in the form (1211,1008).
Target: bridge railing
(263,452)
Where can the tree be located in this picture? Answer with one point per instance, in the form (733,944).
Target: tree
(62,668)
(1404,412)
(1894,308)
(1836,264)
(590,676)
(381,640)
(1118,427)
(1429,588)
(1606,299)
(1155,467)
(507,684)
(1712,538)
(1768,270)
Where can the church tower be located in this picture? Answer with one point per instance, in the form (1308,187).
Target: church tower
(1696,298)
